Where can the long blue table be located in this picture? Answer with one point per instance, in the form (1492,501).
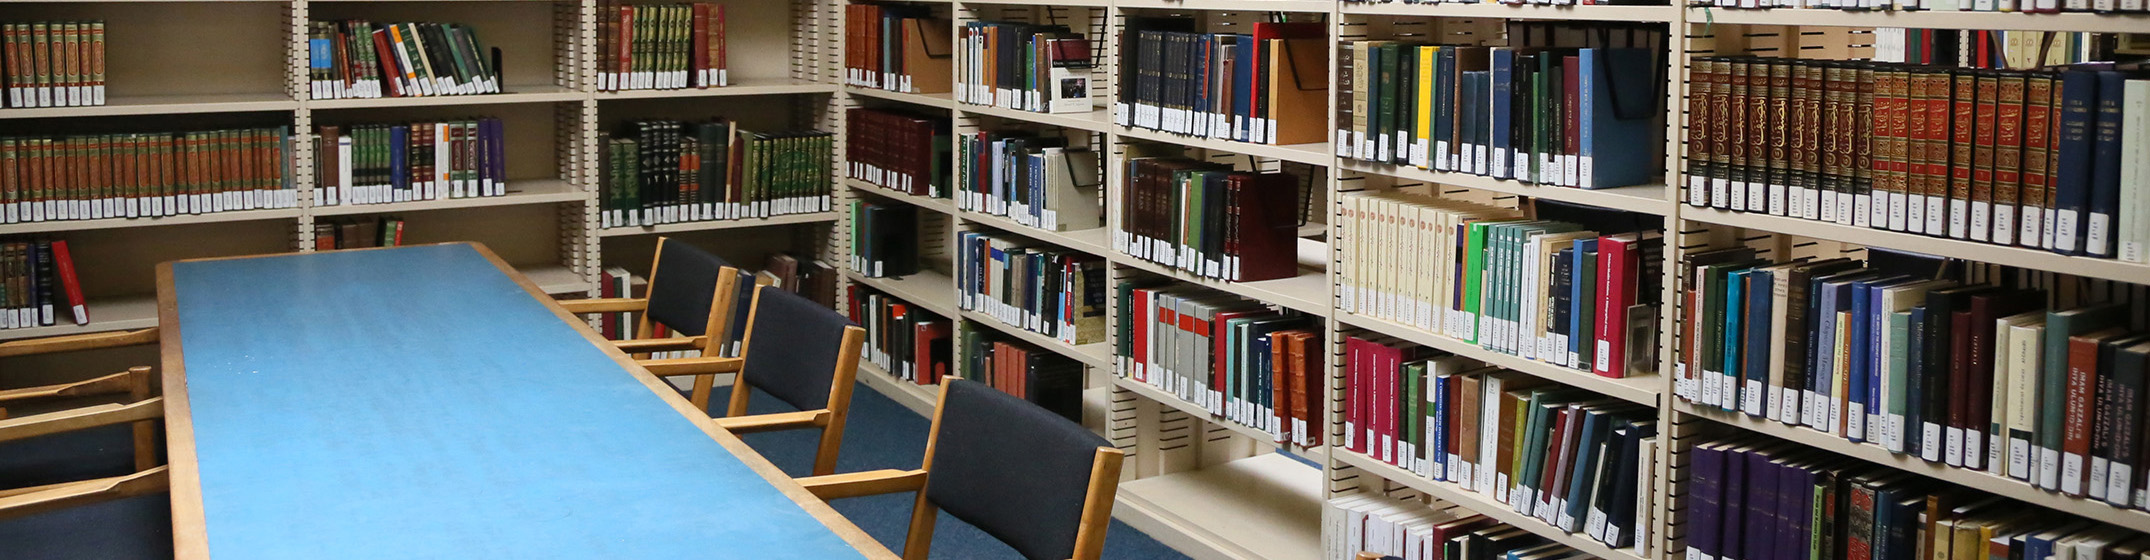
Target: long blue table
(430,402)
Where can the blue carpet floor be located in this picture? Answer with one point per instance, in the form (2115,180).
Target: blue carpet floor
(881,435)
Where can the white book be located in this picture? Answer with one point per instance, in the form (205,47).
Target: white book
(2134,226)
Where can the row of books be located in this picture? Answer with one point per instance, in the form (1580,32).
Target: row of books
(1023,66)
(1042,289)
(2025,6)
(1036,180)
(2022,158)
(1408,529)
(665,172)
(359,59)
(1236,358)
(1570,458)
(38,286)
(1524,2)
(128,175)
(1265,87)
(1548,290)
(1573,117)
(358,233)
(53,63)
(1047,379)
(660,46)
(898,150)
(813,279)
(1969,374)
(1209,220)
(902,339)
(1757,498)
(896,48)
(884,239)
(383,163)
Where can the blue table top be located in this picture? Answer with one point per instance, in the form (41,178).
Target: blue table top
(419,403)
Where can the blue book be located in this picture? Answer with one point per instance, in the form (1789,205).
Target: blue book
(1444,104)
(1595,429)
(1439,419)
(1760,304)
(1820,380)
(1473,83)
(1498,144)
(1243,96)
(2100,231)
(1707,483)
(2071,195)
(1729,337)
(1731,538)
(1795,497)
(1582,310)
(1617,100)
(1763,478)
(399,171)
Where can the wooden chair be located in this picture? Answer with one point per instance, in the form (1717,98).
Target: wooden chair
(691,293)
(1030,478)
(143,409)
(807,356)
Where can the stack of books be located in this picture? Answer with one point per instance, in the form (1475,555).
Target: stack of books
(38,286)
(1041,289)
(663,172)
(358,59)
(1037,181)
(1052,381)
(896,150)
(53,64)
(902,339)
(145,174)
(884,239)
(1264,87)
(383,163)
(1240,360)
(1023,66)
(660,46)
(1211,221)
(896,48)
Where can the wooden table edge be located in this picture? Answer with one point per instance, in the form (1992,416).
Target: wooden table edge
(190,539)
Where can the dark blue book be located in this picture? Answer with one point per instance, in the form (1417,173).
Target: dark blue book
(1563,300)
(399,166)
(1582,309)
(2101,229)
(1473,91)
(1760,304)
(1501,106)
(1763,513)
(1795,501)
(1706,509)
(1595,429)
(1444,105)
(1617,97)
(1243,96)
(1732,535)
(2071,195)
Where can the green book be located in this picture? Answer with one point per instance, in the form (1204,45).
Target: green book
(1899,366)
(1386,84)
(1413,421)
(1474,265)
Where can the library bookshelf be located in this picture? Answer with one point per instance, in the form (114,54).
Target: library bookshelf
(1200,483)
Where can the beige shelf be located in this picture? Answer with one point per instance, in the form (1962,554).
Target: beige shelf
(555,279)
(515,94)
(933,291)
(1096,354)
(921,399)
(1154,393)
(1311,154)
(942,205)
(2110,269)
(1233,5)
(124,105)
(1308,292)
(1091,241)
(1266,507)
(1516,11)
(942,100)
(1980,480)
(1647,199)
(184,219)
(531,191)
(1483,504)
(712,225)
(737,89)
(1642,390)
(1098,120)
(1083,3)
(2074,21)
(106,315)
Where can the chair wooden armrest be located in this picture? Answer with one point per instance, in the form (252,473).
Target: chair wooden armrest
(57,496)
(607,305)
(691,366)
(645,345)
(77,342)
(121,382)
(868,483)
(80,418)
(774,422)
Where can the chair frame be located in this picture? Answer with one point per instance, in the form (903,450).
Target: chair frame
(829,419)
(1089,535)
(144,410)
(704,369)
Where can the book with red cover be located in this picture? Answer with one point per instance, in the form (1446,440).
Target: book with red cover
(1618,261)
(64,261)
(2079,407)
(1267,224)
(1356,394)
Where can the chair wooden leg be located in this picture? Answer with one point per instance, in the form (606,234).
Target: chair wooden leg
(832,440)
(918,544)
(147,454)
(740,392)
(703,386)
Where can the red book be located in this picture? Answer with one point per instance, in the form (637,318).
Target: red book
(2076,419)
(1386,387)
(65,262)
(1268,247)
(394,79)
(1355,394)
(625,55)
(698,69)
(1280,376)
(1619,258)
(1555,459)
